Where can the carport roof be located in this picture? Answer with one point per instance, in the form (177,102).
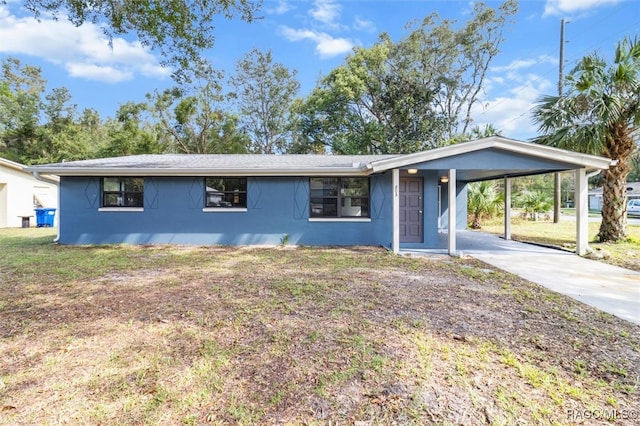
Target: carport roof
(481,159)
(495,157)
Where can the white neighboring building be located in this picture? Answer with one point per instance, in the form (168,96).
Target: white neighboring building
(595,195)
(21,193)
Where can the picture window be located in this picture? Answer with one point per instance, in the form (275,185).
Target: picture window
(226,192)
(339,197)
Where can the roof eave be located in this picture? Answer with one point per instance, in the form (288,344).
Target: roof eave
(580,160)
(53,179)
(12,164)
(185,172)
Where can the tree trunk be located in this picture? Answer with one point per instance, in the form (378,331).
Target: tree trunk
(475,224)
(614,199)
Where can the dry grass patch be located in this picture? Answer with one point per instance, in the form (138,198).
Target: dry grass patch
(213,335)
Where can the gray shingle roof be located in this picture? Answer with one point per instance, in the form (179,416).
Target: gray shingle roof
(210,163)
(224,161)
(325,165)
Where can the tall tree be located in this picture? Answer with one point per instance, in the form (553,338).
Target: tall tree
(192,118)
(599,114)
(456,60)
(370,105)
(407,96)
(61,137)
(265,91)
(129,133)
(41,127)
(21,105)
(179,29)
(93,129)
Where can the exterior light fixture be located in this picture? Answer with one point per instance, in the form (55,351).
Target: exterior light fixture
(444,179)
(412,171)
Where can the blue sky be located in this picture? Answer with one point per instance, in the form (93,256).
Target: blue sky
(315,36)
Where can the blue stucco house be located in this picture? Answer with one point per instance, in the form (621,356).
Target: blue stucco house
(396,201)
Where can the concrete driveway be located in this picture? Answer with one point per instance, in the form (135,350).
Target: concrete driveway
(609,288)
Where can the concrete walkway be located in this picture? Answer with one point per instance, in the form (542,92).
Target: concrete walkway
(609,288)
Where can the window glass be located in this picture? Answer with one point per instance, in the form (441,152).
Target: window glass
(122,192)
(225,192)
(111,184)
(339,197)
(355,187)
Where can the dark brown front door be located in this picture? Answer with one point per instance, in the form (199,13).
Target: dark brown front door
(410,210)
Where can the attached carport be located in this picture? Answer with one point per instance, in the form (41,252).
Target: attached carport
(491,158)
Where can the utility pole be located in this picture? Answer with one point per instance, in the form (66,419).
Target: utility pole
(557,177)
(561,59)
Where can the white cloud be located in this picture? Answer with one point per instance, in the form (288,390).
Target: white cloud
(512,114)
(282,8)
(364,25)
(326,11)
(560,7)
(326,45)
(100,73)
(525,63)
(516,93)
(83,51)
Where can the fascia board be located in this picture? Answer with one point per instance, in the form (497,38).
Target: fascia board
(26,169)
(141,171)
(12,164)
(529,149)
(47,178)
(557,154)
(421,157)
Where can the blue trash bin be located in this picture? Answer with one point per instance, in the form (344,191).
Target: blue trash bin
(45,217)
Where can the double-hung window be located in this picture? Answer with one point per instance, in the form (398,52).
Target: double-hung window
(122,192)
(226,192)
(333,197)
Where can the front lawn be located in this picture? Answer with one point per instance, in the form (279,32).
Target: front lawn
(165,335)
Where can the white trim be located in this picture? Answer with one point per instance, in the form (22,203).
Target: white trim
(507,208)
(453,212)
(582,212)
(371,164)
(224,209)
(200,172)
(121,209)
(395,184)
(22,168)
(497,142)
(339,219)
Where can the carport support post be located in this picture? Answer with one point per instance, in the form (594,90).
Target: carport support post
(452,212)
(582,212)
(507,208)
(395,183)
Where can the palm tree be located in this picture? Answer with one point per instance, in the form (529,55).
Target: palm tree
(534,203)
(488,130)
(483,201)
(600,114)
